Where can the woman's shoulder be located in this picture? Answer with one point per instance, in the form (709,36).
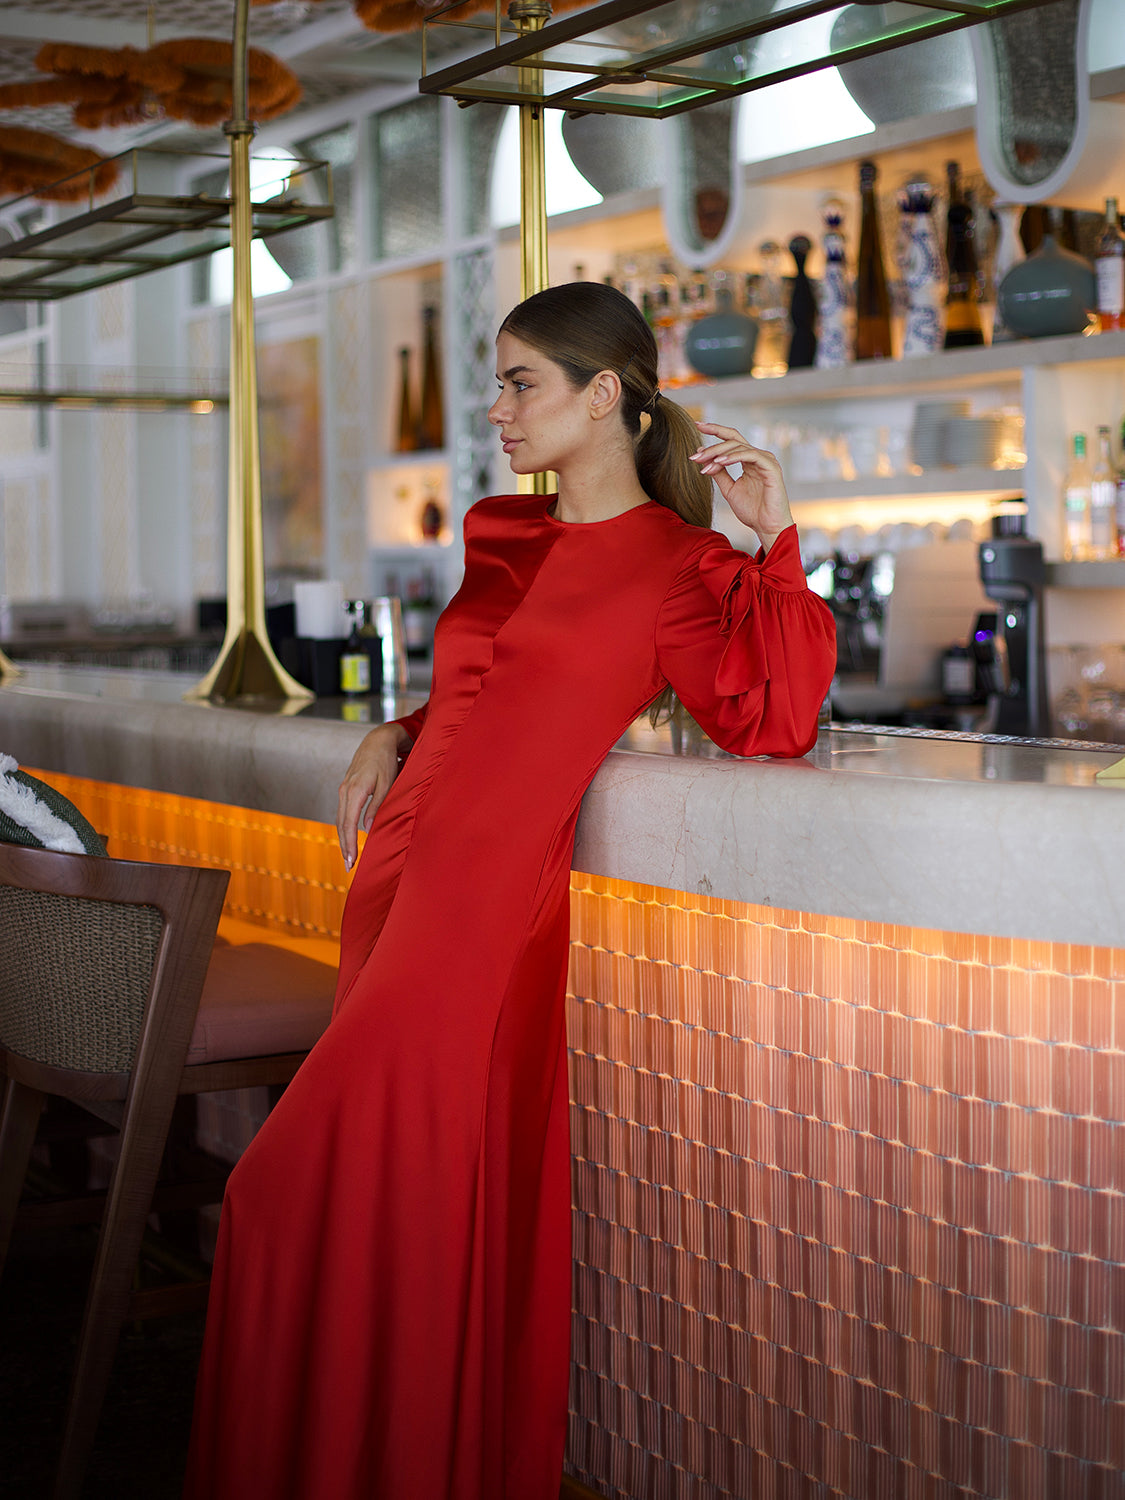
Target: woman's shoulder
(499,513)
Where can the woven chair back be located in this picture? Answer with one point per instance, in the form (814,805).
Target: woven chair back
(74,978)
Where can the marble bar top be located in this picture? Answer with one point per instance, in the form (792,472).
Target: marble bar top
(1011,840)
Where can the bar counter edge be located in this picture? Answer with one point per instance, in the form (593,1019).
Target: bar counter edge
(1002,841)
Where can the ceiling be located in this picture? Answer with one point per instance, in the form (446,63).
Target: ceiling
(325,44)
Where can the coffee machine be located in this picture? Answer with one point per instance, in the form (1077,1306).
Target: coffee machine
(1012,573)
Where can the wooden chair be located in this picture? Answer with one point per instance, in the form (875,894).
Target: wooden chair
(113,996)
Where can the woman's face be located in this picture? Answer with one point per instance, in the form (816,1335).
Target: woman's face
(543,420)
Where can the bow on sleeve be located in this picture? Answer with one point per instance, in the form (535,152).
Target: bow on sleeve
(736,583)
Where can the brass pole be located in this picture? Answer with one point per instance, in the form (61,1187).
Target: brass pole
(246,670)
(532,15)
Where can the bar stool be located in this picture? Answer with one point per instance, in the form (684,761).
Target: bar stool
(113,995)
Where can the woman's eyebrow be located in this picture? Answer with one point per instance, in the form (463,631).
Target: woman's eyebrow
(517,370)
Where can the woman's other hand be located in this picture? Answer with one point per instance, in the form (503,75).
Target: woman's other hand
(758,498)
(367,781)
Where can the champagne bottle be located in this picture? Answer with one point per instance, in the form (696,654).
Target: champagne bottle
(1103,501)
(407,439)
(872,298)
(1076,502)
(1109,264)
(431,422)
(962,310)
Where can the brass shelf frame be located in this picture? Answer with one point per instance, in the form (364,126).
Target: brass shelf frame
(529,55)
(118,239)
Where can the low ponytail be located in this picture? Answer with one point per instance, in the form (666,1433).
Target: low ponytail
(664,467)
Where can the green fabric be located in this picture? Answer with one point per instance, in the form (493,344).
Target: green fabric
(12,832)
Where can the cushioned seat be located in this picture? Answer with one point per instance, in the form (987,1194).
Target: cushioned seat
(261,997)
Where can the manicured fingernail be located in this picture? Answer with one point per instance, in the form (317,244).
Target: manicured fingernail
(348,861)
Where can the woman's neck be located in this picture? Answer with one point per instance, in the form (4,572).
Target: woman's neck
(599,490)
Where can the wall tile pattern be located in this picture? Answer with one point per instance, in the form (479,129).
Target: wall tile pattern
(849,1206)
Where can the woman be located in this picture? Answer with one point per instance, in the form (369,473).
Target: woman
(391,1302)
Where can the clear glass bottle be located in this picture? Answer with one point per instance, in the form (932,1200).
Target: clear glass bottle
(1109,264)
(872,295)
(1103,501)
(1076,502)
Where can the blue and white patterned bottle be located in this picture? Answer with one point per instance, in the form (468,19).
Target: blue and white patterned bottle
(923,272)
(837,317)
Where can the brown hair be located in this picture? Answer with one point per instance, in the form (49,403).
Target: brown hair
(585,327)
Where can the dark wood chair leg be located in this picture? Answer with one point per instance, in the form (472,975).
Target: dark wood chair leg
(19,1117)
(127,1207)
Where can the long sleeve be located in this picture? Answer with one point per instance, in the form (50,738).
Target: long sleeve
(748,648)
(412,723)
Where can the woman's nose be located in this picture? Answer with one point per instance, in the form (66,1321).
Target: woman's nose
(496,412)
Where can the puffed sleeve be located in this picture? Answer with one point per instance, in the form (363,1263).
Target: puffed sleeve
(748,648)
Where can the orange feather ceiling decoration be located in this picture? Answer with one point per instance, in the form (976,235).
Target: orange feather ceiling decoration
(188,78)
(33,161)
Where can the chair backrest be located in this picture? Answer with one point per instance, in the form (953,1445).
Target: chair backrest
(101,957)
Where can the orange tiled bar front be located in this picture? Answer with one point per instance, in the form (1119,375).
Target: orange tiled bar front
(849,1206)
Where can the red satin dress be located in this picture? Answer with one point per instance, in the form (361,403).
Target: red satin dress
(390,1307)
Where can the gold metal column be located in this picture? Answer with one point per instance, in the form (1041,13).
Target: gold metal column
(247,670)
(532,15)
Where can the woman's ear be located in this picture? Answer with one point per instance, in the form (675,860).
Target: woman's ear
(605,394)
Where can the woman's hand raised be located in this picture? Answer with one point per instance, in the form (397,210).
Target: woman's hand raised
(758,498)
(366,782)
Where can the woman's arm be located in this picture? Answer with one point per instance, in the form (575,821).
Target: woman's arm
(367,781)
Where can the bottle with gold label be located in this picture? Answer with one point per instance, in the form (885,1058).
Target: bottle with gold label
(355,662)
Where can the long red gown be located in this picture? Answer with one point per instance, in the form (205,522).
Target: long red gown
(390,1306)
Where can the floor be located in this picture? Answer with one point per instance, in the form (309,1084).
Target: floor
(142,1441)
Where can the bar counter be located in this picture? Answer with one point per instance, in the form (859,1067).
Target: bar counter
(847,1042)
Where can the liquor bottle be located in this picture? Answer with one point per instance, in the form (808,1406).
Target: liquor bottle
(922,271)
(772,347)
(1120,504)
(1076,502)
(962,299)
(407,439)
(834,344)
(431,421)
(417,615)
(1109,264)
(355,662)
(431,518)
(802,308)
(872,297)
(1103,501)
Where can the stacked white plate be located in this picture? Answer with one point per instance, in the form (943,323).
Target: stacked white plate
(930,419)
(973,441)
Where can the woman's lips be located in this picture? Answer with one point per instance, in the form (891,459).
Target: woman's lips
(508,443)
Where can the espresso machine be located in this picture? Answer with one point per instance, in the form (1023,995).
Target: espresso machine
(1012,573)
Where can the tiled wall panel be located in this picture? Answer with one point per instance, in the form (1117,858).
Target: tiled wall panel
(849,1207)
